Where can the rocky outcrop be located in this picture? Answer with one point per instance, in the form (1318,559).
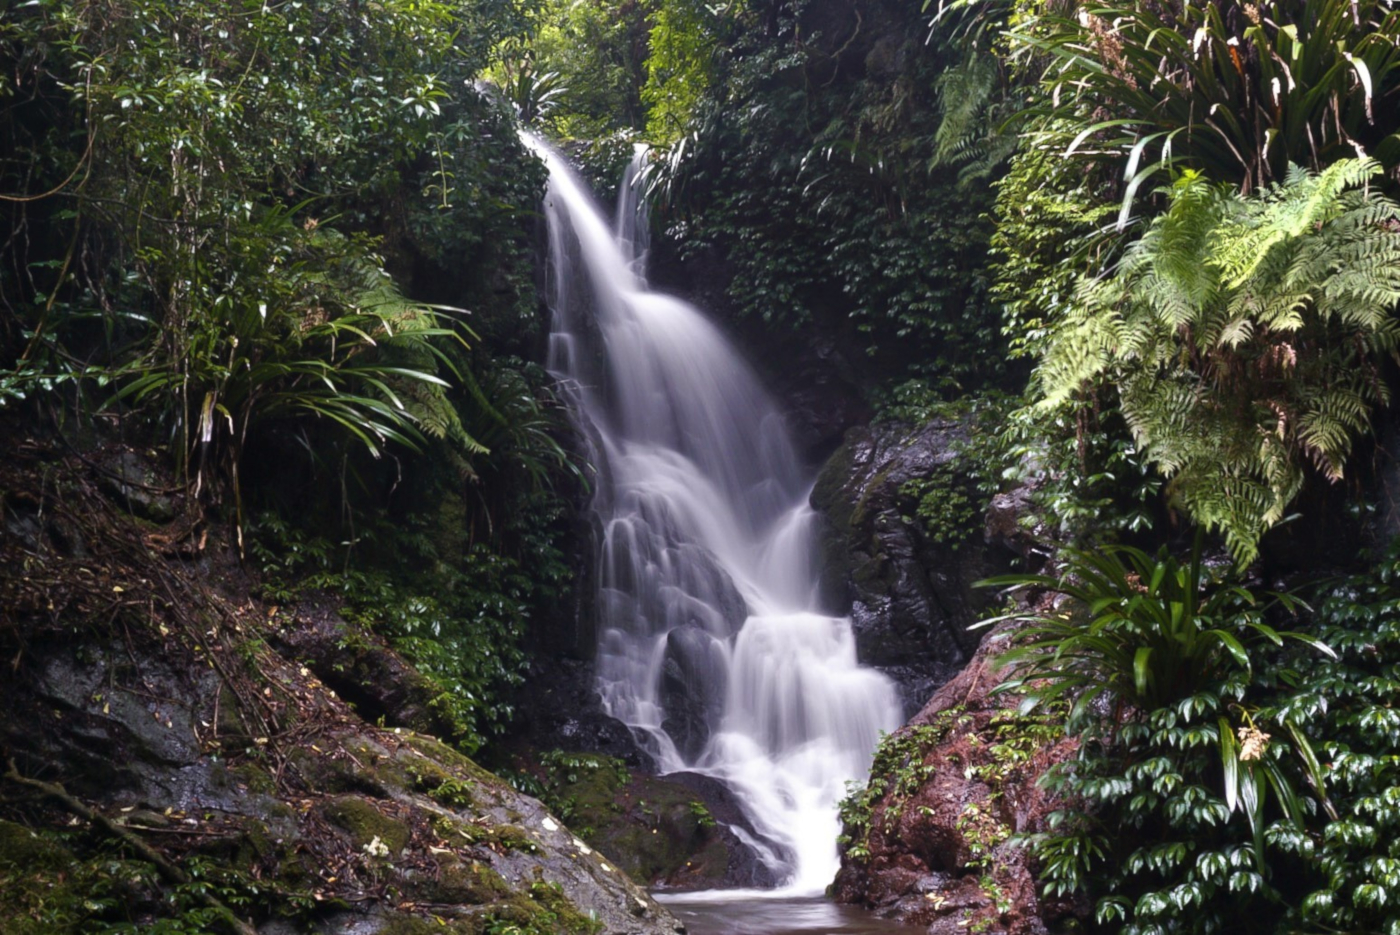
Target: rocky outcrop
(908,589)
(169,754)
(927,840)
(683,831)
(679,831)
(357,665)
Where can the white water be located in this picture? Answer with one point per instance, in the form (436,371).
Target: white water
(706,575)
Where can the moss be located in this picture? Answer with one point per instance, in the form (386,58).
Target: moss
(544,910)
(513,838)
(436,750)
(255,778)
(440,785)
(329,774)
(471,883)
(651,828)
(26,850)
(826,494)
(231,731)
(566,917)
(397,924)
(364,822)
(498,837)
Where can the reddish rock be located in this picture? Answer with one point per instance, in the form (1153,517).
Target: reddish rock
(963,781)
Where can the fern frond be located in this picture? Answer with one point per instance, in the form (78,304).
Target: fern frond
(1239,332)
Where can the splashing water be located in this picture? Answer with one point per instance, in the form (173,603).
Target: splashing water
(713,646)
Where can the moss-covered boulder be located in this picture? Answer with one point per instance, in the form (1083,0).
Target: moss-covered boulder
(674,832)
(368,826)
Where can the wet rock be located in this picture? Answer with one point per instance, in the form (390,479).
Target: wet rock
(694,682)
(123,724)
(909,595)
(682,831)
(559,708)
(724,609)
(744,866)
(359,666)
(134,483)
(936,854)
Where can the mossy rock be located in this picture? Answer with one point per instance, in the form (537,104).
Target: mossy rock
(22,849)
(398,924)
(364,823)
(511,838)
(439,784)
(231,731)
(254,777)
(445,756)
(651,828)
(561,913)
(464,883)
(328,774)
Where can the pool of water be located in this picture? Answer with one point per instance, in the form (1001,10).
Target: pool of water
(738,913)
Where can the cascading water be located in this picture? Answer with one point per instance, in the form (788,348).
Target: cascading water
(712,645)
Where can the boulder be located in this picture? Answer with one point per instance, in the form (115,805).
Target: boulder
(681,831)
(558,708)
(930,845)
(909,592)
(133,482)
(694,681)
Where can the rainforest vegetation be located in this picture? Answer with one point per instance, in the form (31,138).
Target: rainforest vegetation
(288,252)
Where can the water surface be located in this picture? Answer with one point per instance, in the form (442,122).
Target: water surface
(741,914)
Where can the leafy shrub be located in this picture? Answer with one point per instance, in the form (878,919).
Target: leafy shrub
(1234,778)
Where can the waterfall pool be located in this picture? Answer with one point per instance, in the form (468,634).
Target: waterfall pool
(737,912)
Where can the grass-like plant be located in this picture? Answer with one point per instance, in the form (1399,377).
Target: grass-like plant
(1236,90)
(1137,631)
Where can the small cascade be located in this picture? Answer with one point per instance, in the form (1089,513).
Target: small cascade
(713,646)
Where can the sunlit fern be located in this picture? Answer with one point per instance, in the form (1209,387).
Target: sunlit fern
(1243,336)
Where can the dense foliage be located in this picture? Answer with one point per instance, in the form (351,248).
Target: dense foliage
(1232,777)
(213,215)
(1274,300)
(1244,337)
(809,175)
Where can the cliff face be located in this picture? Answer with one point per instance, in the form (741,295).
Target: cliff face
(909,590)
(928,840)
(173,749)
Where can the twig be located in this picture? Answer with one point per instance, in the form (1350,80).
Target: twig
(149,854)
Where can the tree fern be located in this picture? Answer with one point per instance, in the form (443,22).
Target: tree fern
(1241,334)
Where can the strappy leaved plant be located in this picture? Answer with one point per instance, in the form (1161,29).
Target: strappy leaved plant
(1238,91)
(1161,660)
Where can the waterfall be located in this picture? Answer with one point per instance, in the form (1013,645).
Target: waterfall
(713,646)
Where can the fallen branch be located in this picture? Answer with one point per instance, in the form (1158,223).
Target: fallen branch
(147,853)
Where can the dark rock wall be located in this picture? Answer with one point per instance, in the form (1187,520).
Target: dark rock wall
(910,597)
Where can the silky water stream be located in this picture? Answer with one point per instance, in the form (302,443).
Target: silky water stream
(714,647)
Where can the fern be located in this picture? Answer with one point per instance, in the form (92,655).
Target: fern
(1241,334)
